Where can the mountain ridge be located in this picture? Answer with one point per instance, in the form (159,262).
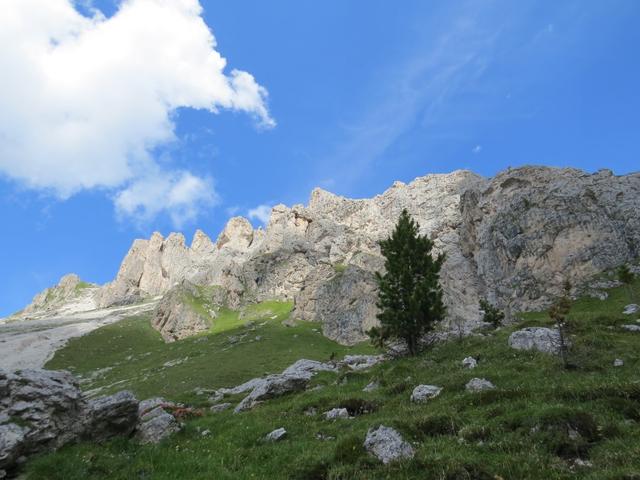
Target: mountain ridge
(512,238)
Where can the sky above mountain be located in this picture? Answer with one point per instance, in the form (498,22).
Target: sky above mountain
(119,118)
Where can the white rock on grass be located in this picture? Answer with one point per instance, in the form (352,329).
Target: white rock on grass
(220,407)
(632,328)
(422,393)
(618,362)
(361,362)
(469,362)
(336,413)
(479,385)
(277,435)
(387,445)
(372,386)
(631,309)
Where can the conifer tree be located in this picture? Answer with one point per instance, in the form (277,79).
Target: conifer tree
(491,314)
(410,295)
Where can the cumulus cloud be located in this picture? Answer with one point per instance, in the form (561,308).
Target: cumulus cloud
(262,213)
(85,101)
(182,195)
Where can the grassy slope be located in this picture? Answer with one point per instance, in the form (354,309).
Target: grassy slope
(520,430)
(131,355)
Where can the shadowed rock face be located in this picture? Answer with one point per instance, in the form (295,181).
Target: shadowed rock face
(512,239)
(41,410)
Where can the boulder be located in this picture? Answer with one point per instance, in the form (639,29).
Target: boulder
(336,413)
(277,435)
(387,445)
(631,309)
(360,362)
(270,387)
(42,410)
(155,425)
(422,393)
(469,362)
(479,385)
(618,362)
(546,340)
(45,410)
(110,416)
(308,368)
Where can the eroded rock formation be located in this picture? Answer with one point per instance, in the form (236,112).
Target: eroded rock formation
(512,239)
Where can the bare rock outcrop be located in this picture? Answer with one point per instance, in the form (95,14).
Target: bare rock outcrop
(70,295)
(43,410)
(512,239)
(186,310)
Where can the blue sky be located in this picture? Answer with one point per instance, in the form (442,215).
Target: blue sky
(347,95)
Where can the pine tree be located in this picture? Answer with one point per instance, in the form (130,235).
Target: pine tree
(409,296)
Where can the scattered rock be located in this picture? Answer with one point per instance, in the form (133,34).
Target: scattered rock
(220,407)
(631,309)
(276,435)
(324,438)
(422,393)
(618,362)
(479,385)
(469,362)
(311,412)
(336,413)
(579,463)
(371,386)
(546,340)
(632,328)
(387,445)
(361,362)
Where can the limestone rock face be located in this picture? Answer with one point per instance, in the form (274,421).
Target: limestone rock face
(512,239)
(70,295)
(176,315)
(42,410)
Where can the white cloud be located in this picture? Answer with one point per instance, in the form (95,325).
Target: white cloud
(181,194)
(262,213)
(84,102)
(477,149)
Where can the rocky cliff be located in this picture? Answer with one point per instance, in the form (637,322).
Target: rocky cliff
(513,238)
(70,295)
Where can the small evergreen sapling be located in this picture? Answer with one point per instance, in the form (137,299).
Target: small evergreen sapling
(626,276)
(558,313)
(491,314)
(409,295)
